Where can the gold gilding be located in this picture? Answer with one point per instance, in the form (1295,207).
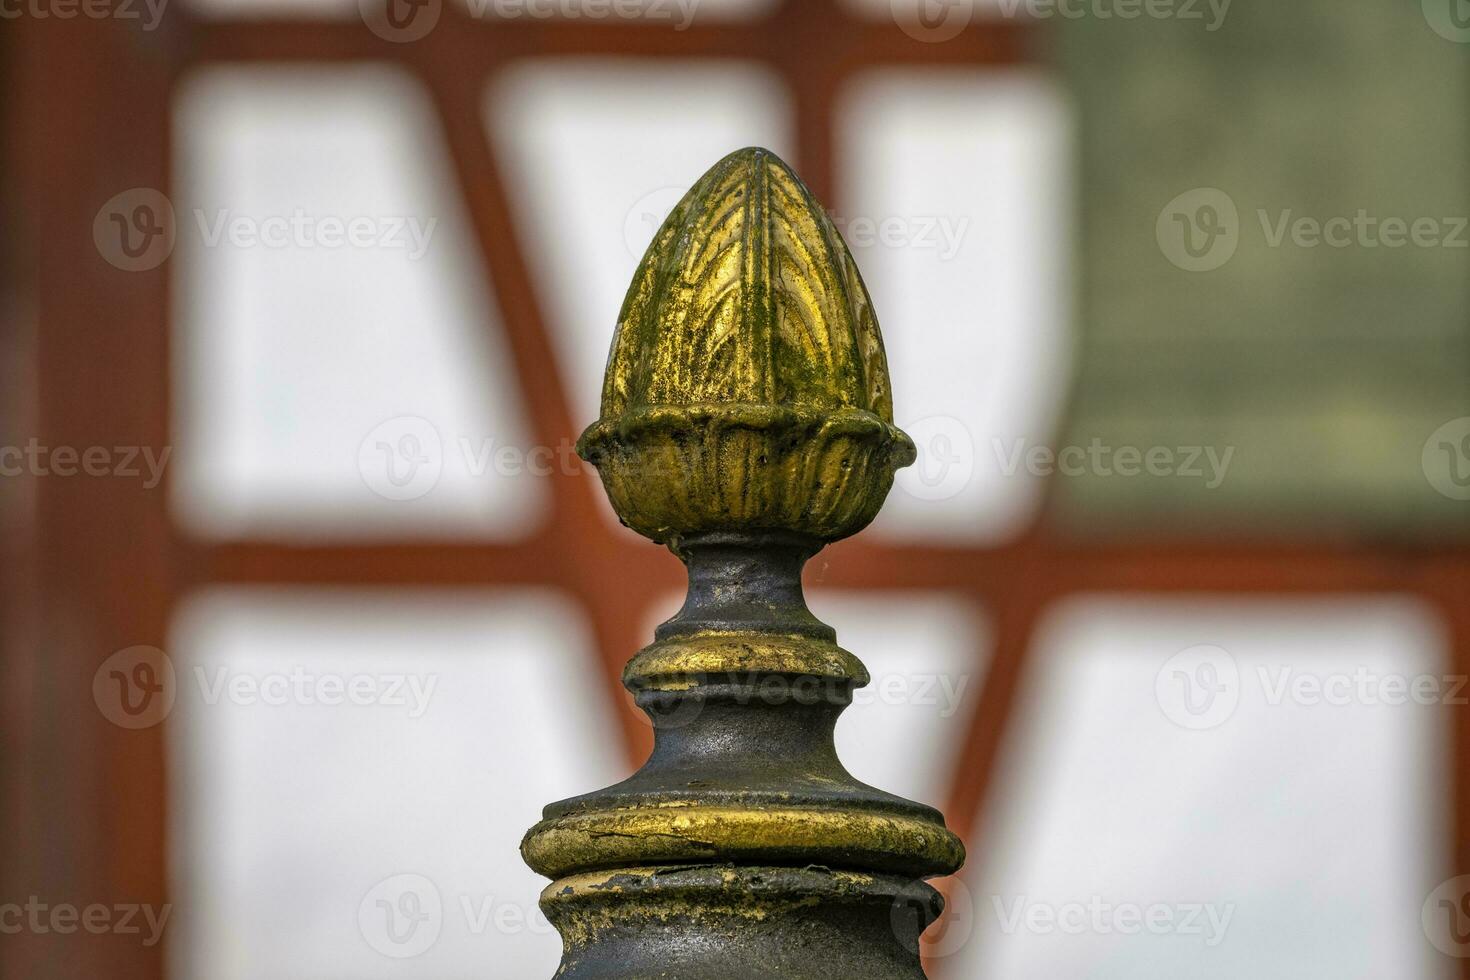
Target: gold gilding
(675,662)
(762,833)
(747,386)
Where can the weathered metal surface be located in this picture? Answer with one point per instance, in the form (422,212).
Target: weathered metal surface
(746,422)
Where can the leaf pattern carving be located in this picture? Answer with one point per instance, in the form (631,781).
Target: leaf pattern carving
(747,295)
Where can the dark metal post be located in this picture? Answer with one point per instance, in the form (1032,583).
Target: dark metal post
(746,422)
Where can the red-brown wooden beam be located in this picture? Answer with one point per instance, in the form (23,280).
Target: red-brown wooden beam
(88,110)
(822,31)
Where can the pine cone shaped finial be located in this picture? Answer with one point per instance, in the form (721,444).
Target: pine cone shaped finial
(747,386)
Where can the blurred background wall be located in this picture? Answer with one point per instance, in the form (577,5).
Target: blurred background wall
(309,608)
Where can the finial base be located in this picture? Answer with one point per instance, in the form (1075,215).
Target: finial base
(726,922)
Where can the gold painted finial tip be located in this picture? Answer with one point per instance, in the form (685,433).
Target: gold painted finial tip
(747,386)
(748,294)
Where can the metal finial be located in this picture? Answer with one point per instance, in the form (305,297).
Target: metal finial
(746,422)
(747,386)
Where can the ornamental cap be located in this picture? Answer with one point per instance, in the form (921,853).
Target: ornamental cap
(747,388)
